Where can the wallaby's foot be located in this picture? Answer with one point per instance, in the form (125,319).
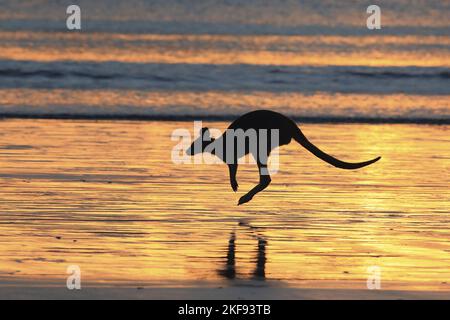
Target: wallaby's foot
(234,185)
(244,199)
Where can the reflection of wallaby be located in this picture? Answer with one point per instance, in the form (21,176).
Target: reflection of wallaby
(260,120)
(229,271)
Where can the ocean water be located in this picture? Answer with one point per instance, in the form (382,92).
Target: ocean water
(314,60)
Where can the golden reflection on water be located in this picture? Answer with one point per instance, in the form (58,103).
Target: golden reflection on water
(106,196)
(166,102)
(380,50)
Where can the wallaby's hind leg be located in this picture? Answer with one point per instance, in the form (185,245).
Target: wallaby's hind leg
(233,169)
(264,181)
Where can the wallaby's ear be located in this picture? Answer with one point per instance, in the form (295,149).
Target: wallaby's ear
(205,134)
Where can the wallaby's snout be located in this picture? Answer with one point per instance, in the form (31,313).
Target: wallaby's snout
(190,150)
(199,145)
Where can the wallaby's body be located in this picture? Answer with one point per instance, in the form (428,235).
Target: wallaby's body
(287,130)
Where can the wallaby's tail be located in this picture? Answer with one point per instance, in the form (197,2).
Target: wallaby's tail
(300,138)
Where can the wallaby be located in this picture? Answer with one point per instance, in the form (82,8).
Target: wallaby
(257,120)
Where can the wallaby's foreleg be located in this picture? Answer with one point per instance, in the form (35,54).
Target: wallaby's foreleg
(264,181)
(233,170)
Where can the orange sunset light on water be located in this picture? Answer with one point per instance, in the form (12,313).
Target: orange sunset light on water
(322,229)
(300,50)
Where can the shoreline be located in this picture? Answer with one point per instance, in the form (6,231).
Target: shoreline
(246,291)
(219,118)
(242,289)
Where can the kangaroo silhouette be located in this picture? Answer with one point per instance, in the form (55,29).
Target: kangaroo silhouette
(258,120)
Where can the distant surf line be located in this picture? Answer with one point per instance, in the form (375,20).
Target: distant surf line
(219,118)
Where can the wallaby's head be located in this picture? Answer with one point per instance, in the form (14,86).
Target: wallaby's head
(199,145)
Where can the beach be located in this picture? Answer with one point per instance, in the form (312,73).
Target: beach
(97,192)
(107,197)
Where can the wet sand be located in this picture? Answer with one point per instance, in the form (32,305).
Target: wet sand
(106,196)
(205,291)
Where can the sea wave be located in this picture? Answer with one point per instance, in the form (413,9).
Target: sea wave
(432,74)
(207,77)
(225,117)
